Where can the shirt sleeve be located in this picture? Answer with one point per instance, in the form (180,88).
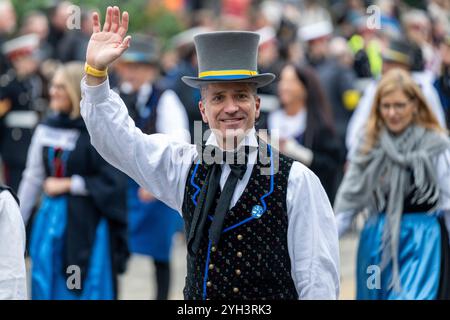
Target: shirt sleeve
(298,152)
(12,250)
(78,186)
(33,176)
(156,162)
(312,236)
(344,221)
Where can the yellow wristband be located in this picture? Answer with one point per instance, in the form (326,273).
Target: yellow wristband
(95,72)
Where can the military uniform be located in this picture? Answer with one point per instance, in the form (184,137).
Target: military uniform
(16,125)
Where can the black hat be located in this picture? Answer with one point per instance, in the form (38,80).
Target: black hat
(398,51)
(143,49)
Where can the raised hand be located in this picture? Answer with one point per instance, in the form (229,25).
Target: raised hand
(108,44)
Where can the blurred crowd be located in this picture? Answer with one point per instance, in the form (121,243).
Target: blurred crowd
(339,46)
(328,57)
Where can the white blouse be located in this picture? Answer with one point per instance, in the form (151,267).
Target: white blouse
(288,126)
(13,280)
(33,177)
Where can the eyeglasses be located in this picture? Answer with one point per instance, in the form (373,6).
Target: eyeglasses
(399,106)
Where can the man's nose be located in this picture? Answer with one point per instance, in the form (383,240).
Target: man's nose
(230,106)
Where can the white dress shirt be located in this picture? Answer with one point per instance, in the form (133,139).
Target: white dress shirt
(13,285)
(161,165)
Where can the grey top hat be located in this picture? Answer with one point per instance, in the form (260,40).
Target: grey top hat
(227,56)
(143,49)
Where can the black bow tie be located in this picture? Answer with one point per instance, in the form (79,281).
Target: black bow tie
(238,165)
(235,157)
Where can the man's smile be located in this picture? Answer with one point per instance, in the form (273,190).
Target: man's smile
(232,121)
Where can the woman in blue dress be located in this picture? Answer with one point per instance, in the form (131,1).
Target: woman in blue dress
(79,234)
(401,177)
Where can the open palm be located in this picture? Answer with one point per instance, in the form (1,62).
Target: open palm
(108,44)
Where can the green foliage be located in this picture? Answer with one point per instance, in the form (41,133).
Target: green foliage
(23,6)
(145,15)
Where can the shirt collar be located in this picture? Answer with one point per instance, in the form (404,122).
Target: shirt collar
(249,139)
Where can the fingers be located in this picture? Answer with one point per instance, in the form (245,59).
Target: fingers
(115,19)
(108,18)
(112,21)
(125,43)
(124,26)
(96,22)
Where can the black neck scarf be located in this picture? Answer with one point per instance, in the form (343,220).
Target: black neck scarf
(238,165)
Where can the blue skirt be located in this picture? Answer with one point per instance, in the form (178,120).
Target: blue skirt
(48,281)
(152,226)
(420,255)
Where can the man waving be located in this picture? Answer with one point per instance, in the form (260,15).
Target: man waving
(258,224)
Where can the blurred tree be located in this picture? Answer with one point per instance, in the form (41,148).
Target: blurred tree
(146,15)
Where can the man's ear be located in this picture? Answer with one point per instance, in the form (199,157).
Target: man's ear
(201,106)
(257,107)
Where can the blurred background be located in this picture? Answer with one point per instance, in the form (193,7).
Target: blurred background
(345,45)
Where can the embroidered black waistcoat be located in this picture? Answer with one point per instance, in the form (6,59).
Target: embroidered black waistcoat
(251,260)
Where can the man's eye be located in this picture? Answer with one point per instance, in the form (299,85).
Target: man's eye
(242,96)
(217,98)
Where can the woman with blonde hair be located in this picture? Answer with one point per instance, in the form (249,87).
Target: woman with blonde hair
(401,177)
(78,237)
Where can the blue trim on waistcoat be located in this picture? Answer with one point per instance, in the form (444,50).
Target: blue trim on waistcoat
(271,181)
(205,278)
(195,185)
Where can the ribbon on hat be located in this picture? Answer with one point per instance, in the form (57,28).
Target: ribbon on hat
(227,74)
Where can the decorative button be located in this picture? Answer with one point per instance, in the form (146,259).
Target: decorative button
(211,266)
(239,254)
(257,211)
(213,249)
(240,237)
(238,272)
(235,290)
(209,284)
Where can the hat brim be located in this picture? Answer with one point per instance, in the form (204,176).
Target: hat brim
(152,62)
(260,80)
(395,59)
